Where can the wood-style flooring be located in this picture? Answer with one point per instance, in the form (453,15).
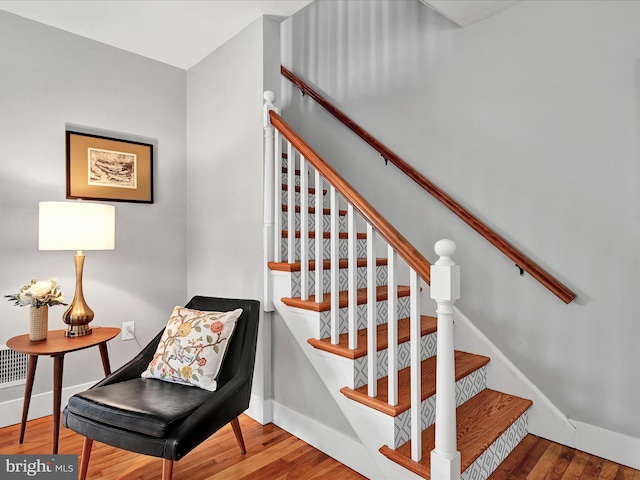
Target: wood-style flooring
(273,454)
(537,458)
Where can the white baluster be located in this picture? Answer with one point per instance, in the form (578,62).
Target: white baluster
(445,290)
(335,256)
(416,368)
(291,203)
(319,253)
(372,345)
(277,191)
(304,229)
(392,327)
(353,282)
(270,200)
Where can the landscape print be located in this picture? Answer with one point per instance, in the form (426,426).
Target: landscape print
(112,169)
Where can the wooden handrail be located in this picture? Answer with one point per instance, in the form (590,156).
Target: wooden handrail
(400,244)
(521,260)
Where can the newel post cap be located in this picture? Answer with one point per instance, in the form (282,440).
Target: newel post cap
(445,274)
(269,98)
(445,249)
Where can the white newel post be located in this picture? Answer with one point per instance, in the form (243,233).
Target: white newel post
(269,197)
(445,290)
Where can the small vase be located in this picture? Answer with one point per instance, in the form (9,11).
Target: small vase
(38,323)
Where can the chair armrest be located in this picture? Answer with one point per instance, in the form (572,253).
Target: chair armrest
(134,367)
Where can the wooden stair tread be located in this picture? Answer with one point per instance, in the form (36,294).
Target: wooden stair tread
(327,235)
(312,210)
(427,326)
(311,190)
(326,264)
(480,421)
(465,364)
(343,299)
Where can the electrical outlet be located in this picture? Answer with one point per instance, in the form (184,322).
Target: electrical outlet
(128,330)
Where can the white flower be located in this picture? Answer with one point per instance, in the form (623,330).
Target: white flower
(40,289)
(39,293)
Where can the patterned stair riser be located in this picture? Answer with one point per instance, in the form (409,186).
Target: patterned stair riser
(361,316)
(326,222)
(466,388)
(360,378)
(343,248)
(285,178)
(487,463)
(296,179)
(311,199)
(361,280)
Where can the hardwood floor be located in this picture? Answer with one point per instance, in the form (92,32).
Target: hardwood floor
(273,454)
(537,458)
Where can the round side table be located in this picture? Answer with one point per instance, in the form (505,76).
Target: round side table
(57,345)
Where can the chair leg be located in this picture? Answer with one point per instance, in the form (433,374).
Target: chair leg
(235,424)
(167,469)
(86,454)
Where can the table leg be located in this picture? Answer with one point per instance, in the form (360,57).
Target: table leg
(31,373)
(58,364)
(104,354)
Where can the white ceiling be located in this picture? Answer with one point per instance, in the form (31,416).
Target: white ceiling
(177,32)
(466,12)
(183,32)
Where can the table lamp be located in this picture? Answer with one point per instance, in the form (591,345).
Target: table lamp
(79,226)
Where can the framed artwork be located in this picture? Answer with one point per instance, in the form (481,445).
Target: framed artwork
(103,168)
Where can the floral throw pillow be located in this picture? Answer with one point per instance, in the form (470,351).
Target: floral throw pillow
(192,347)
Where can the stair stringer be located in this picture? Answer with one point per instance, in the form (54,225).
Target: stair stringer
(303,325)
(373,428)
(545,419)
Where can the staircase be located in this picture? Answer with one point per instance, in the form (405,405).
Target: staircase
(312,293)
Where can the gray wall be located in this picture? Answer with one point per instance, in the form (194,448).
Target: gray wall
(529,119)
(225,208)
(207,215)
(224,180)
(50,79)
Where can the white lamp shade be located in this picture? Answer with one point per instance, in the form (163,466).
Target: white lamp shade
(76,226)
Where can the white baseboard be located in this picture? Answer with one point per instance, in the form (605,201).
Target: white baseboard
(545,420)
(41,405)
(336,444)
(617,447)
(260,410)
